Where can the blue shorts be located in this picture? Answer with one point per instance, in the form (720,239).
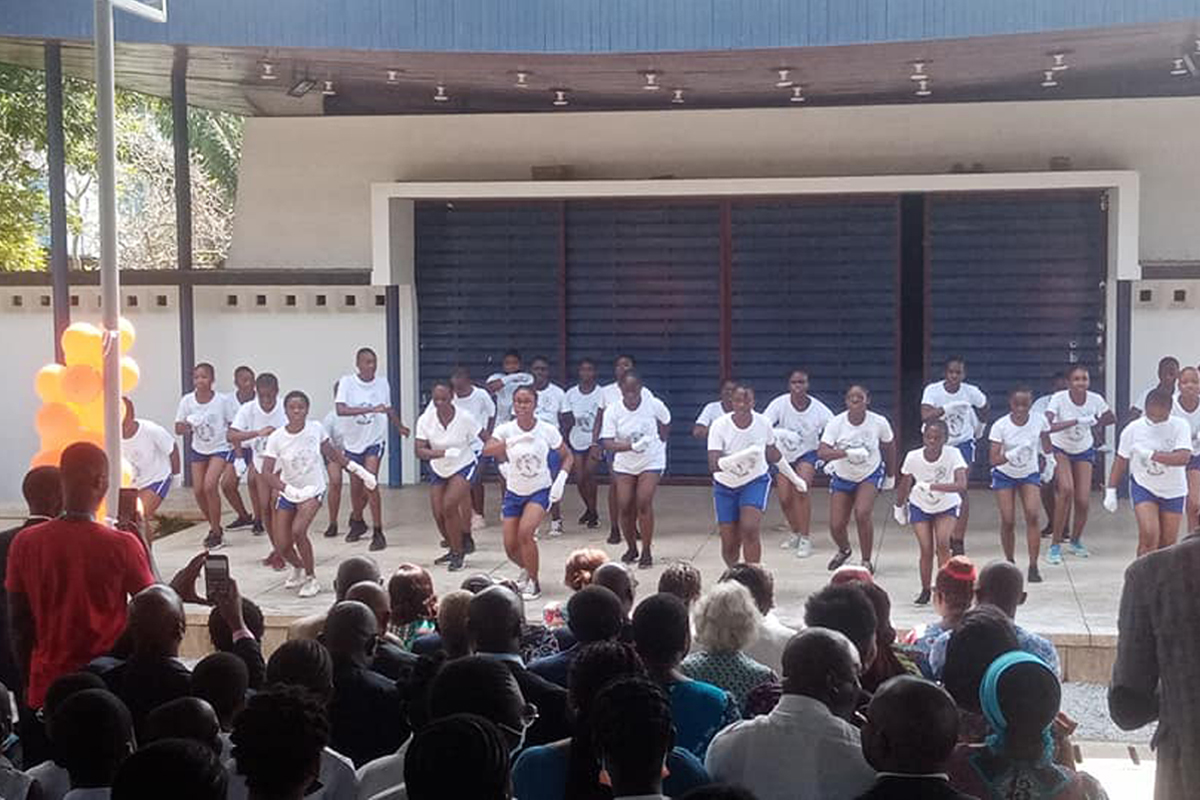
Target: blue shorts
(160,488)
(808,458)
(1140,494)
(514,504)
(1088,455)
(875,479)
(729,502)
(283,504)
(467,473)
(361,458)
(554,462)
(1002,481)
(228,456)
(967,449)
(1194,463)
(917,514)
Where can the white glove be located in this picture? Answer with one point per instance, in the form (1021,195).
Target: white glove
(786,438)
(1016,455)
(743,460)
(900,514)
(1086,422)
(889,483)
(364,474)
(300,494)
(857,455)
(451,452)
(1048,469)
(558,487)
(924,486)
(516,379)
(1110,500)
(640,444)
(786,470)
(726,478)
(503,468)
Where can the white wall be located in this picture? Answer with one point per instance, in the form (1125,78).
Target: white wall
(1161,327)
(304,185)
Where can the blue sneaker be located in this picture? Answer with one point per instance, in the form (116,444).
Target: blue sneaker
(1055,555)
(1078,550)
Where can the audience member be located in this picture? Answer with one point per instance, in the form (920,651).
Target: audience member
(185,718)
(177,768)
(616,577)
(390,659)
(953,592)
(350,571)
(93,735)
(459,756)
(56,628)
(494,624)
(538,640)
(682,579)
(414,604)
(727,621)
(221,636)
(847,609)
(1002,584)
(773,635)
(452,623)
(14,784)
(662,634)
(1020,697)
(51,775)
(278,742)
(983,635)
(594,614)
(909,736)
(221,680)
(581,566)
(805,748)
(890,660)
(632,735)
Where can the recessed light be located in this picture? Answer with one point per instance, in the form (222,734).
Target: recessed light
(923,89)
(1177,68)
(918,72)
(327,88)
(440,96)
(1060,62)
(651,81)
(560,98)
(798,95)
(522,80)
(268,71)
(393,76)
(677,97)
(785,81)
(1048,81)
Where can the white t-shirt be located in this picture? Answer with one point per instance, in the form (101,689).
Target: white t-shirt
(478,404)
(1193,420)
(149,453)
(960,420)
(364,430)
(725,435)
(709,413)
(1161,437)
(527,454)
(251,417)
(504,397)
(809,423)
(1038,409)
(632,425)
(298,455)
(335,429)
(583,408)
(610,394)
(551,402)
(1025,440)
(840,433)
(209,421)
(940,471)
(1140,403)
(462,431)
(1077,438)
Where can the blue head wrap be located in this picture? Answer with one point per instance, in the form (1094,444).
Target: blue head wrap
(989,700)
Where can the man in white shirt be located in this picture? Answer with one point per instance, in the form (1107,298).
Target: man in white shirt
(804,749)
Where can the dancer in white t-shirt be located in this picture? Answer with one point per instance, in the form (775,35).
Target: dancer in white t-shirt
(445,437)
(254,422)
(1047,463)
(205,414)
(610,394)
(243,392)
(1019,440)
(799,420)
(635,431)
(963,407)
(477,402)
(335,429)
(1168,381)
(715,409)
(551,409)
(583,407)
(1155,449)
(524,443)
(366,398)
(1187,406)
(154,456)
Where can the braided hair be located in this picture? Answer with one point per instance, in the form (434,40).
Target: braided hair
(278,739)
(596,665)
(433,765)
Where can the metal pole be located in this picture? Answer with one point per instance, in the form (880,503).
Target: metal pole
(56,161)
(183,227)
(110,279)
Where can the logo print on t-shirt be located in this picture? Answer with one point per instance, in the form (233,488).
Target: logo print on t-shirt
(585,422)
(1022,456)
(528,465)
(302,461)
(957,422)
(206,431)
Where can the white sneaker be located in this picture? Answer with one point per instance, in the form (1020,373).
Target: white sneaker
(782,527)
(478,522)
(522,578)
(556,528)
(310,588)
(296,579)
(531,591)
(790,542)
(803,547)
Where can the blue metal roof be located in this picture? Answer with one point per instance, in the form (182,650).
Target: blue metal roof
(584,26)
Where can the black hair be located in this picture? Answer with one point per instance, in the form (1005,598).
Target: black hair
(93,733)
(536,359)
(440,382)
(473,685)
(983,635)
(477,583)
(191,770)
(242,368)
(1159,398)
(129,409)
(631,359)
(631,375)
(1165,360)
(586,360)
(632,728)
(526,388)
(304,663)
(796,370)
(595,666)
(661,629)
(594,614)
(218,629)
(757,579)
(221,679)
(939,423)
(681,579)
(460,369)
(1073,368)
(42,489)
(184,718)
(1021,388)
(207,367)
(844,608)
(954,358)
(514,353)
(65,686)
(296,394)
(436,757)
(363,351)
(267,380)
(278,739)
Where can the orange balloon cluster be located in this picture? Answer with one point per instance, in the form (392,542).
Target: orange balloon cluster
(72,395)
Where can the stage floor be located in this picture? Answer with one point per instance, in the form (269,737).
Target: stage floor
(1080,597)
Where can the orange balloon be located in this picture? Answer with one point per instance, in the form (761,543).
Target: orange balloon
(130,374)
(48,383)
(82,343)
(56,422)
(46,458)
(91,437)
(91,415)
(81,384)
(128,335)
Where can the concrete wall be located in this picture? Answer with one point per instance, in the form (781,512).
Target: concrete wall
(1161,326)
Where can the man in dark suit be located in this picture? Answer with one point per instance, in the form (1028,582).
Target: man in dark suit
(911,731)
(494,623)
(1158,662)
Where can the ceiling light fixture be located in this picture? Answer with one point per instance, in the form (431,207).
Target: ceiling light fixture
(327,88)
(923,89)
(784,82)
(677,97)
(268,72)
(302,87)
(1198,47)
(440,95)
(798,95)
(1177,68)
(918,72)
(651,81)
(522,80)
(393,76)
(1060,62)
(1048,81)
(560,98)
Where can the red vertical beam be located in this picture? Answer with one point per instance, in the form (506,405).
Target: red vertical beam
(564,369)
(726,327)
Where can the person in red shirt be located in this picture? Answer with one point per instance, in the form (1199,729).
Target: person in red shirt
(69,580)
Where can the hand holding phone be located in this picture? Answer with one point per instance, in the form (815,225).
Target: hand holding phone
(216,576)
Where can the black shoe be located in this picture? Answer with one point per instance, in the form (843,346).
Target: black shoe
(1034,576)
(922,598)
(630,556)
(358,529)
(257,528)
(468,544)
(839,558)
(444,544)
(958,547)
(456,562)
(444,558)
(593,521)
(332,531)
(585,517)
(1046,532)
(646,561)
(240,522)
(214,541)
(378,541)
(614,537)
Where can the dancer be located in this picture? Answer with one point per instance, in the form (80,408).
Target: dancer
(963,407)
(479,404)
(798,420)
(1046,461)
(254,422)
(1187,406)
(635,431)
(154,456)
(859,452)
(504,384)
(1074,414)
(1168,379)
(741,444)
(525,443)
(610,395)
(293,465)
(1156,449)
(243,392)
(206,414)
(445,438)
(367,399)
(929,497)
(335,429)
(1018,439)
(715,409)
(583,406)
(551,409)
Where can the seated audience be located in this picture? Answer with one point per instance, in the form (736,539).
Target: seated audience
(983,635)
(278,742)
(594,614)
(51,775)
(176,768)
(185,718)
(14,784)
(537,640)
(681,579)
(221,680)
(909,736)
(890,660)
(93,735)
(847,609)
(773,635)
(390,659)
(452,623)
(352,570)
(632,735)
(805,749)
(581,566)
(662,635)
(221,636)
(616,576)
(953,592)
(414,604)
(727,621)
(462,755)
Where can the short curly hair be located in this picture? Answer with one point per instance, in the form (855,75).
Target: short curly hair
(681,579)
(410,590)
(726,618)
(581,565)
(278,739)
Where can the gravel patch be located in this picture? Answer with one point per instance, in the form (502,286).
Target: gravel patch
(1087,704)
